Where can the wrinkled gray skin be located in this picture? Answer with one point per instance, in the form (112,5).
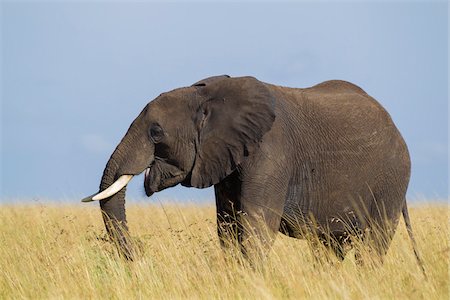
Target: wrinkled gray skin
(326,160)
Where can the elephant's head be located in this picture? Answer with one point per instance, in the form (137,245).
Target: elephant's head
(195,136)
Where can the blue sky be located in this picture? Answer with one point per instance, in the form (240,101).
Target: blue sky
(75,75)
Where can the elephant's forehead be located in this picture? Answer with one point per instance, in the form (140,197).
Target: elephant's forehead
(176,102)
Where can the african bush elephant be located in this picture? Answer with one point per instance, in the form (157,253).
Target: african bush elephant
(326,160)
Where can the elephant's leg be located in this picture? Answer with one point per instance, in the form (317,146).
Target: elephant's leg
(335,245)
(249,224)
(250,205)
(316,248)
(385,204)
(373,244)
(361,242)
(262,205)
(259,228)
(379,242)
(381,229)
(362,252)
(228,205)
(322,252)
(368,250)
(338,249)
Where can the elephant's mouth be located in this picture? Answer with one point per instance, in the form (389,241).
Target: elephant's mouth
(161,175)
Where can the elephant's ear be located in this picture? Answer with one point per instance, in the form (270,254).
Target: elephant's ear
(231,121)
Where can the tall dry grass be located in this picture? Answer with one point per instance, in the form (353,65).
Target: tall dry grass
(58,251)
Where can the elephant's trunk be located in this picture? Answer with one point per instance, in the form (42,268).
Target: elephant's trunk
(113,210)
(131,157)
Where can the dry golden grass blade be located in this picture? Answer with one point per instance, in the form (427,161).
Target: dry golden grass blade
(62,252)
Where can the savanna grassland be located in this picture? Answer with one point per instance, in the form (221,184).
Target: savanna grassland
(60,251)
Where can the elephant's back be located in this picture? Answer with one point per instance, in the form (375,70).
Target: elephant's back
(338,117)
(335,86)
(326,87)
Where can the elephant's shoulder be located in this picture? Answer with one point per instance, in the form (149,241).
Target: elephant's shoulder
(336,86)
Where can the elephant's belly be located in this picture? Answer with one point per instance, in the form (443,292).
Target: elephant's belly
(299,225)
(316,211)
(295,221)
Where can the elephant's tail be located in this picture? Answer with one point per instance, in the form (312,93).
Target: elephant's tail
(411,236)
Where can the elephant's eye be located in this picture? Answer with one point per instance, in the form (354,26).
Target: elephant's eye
(156,133)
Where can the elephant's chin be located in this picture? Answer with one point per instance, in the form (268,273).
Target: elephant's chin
(161,175)
(148,189)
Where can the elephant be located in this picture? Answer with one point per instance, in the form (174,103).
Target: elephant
(324,160)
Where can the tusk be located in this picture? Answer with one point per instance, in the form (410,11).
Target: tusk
(114,188)
(111,190)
